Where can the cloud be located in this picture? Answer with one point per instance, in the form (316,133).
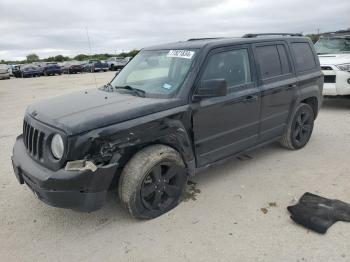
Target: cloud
(50,28)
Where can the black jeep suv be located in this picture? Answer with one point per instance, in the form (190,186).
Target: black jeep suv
(173,110)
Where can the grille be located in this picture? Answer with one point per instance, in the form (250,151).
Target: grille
(329,78)
(33,140)
(326,68)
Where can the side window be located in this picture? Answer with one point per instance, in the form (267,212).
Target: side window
(269,61)
(233,66)
(304,56)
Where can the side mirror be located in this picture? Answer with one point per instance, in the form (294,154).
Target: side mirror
(211,88)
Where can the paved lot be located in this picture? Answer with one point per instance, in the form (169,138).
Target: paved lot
(221,219)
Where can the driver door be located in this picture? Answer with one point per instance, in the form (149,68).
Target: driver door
(224,126)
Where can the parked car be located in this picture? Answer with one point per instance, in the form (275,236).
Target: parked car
(4,72)
(175,109)
(72,67)
(334,54)
(27,71)
(16,71)
(51,69)
(117,63)
(95,66)
(10,69)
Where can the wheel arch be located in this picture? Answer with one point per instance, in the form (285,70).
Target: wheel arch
(119,143)
(178,140)
(313,102)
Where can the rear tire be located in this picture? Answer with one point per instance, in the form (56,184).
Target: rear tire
(299,129)
(152,182)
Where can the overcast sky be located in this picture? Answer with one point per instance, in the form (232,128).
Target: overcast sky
(50,28)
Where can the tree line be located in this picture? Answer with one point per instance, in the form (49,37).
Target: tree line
(30,58)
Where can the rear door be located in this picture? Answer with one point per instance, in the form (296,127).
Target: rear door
(224,126)
(278,86)
(307,67)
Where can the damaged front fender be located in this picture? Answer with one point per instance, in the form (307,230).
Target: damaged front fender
(117,143)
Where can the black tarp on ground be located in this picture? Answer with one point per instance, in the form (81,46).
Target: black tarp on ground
(319,213)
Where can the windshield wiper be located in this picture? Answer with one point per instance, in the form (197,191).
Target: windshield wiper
(108,87)
(134,90)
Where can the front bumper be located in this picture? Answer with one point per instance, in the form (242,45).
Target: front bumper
(80,190)
(98,69)
(338,83)
(54,71)
(4,75)
(75,70)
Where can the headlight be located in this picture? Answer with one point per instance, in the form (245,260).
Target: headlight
(344,67)
(57,146)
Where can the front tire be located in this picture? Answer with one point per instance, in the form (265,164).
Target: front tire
(299,130)
(152,182)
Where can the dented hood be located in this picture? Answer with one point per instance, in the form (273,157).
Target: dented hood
(86,110)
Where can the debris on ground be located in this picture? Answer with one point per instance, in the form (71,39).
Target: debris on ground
(264,210)
(238,196)
(318,213)
(191,191)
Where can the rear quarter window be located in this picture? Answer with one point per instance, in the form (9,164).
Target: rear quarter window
(304,57)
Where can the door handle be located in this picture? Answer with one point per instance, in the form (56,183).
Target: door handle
(291,86)
(250,98)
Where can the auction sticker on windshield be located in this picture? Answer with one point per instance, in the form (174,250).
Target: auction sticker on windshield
(181,54)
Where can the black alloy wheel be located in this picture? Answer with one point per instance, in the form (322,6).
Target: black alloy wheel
(162,186)
(299,129)
(152,181)
(302,126)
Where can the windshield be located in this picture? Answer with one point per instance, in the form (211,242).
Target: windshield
(158,73)
(332,45)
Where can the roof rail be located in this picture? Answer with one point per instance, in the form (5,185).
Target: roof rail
(267,34)
(204,38)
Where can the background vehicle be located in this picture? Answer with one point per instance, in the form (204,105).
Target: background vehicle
(51,69)
(334,54)
(117,63)
(72,67)
(4,72)
(10,69)
(173,110)
(95,66)
(27,71)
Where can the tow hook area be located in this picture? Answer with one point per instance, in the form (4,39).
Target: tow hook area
(80,165)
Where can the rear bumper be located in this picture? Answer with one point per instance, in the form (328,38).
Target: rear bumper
(80,190)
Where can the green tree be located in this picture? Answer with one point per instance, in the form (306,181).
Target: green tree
(314,37)
(32,58)
(59,58)
(132,53)
(81,57)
